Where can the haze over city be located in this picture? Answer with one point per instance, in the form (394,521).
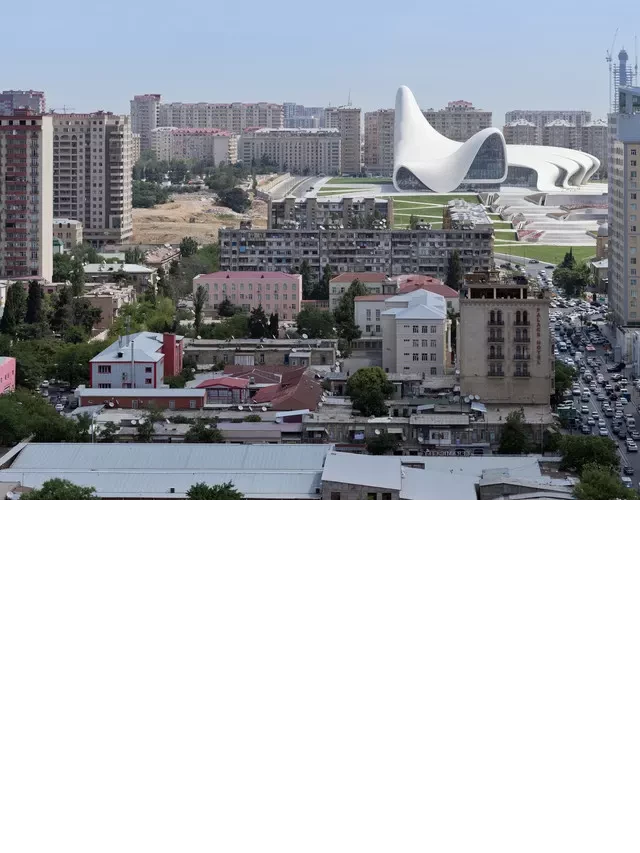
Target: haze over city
(545,55)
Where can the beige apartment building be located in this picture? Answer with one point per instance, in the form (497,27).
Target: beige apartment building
(378,142)
(301,151)
(135,148)
(234,117)
(92,167)
(504,343)
(520,132)
(595,140)
(560,134)
(414,334)
(26,204)
(348,120)
(194,143)
(68,231)
(543,117)
(459,120)
(144,118)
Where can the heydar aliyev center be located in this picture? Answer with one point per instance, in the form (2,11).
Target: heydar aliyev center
(424,160)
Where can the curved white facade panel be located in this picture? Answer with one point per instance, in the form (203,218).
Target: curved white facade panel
(424,160)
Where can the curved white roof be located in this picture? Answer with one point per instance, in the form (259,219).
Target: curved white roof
(441,164)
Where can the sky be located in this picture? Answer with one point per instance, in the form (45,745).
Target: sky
(499,55)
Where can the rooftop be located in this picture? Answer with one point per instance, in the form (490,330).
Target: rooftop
(141,346)
(130,269)
(243,276)
(364,277)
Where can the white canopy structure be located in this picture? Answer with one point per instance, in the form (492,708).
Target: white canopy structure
(424,160)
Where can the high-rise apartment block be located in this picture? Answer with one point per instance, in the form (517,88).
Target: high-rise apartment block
(234,117)
(26,203)
(92,167)
(311,152)
(520,132)
(560,133)
(314,211)
(135,147)
(297,115)
(542,117)
(11,100)
(459,120)
(348,120)
(195,143)
(595,140)
(624,194)
(378,142)
(144,118)
(504,342)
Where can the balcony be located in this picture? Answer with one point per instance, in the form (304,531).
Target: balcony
(525,357)
(496,357)
(495,338)
(522,323)
(522,339)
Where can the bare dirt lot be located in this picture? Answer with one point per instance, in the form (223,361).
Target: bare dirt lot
(196,216)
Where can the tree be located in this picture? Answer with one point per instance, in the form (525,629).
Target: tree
(368,389)
(316,323)
(236,199)
(516,436)
(258,323)
(15,308)
(381,444)
(574,279)
(76,276)
(601,484)
(345,312)
(453,317)
(568,262)
(85,315)
(224,492)
(413,222)
(109,432)
(62,267)
(35,304)
(564,376)
(203,433)
(188,247)
(226,308)
(274,325)
(454,271)
(62,316)
(308,281)
(581,450)
(135,255)
(61,490)
(199,302)
(321,291)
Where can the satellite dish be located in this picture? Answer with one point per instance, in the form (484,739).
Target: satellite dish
(111,404)
(467,399)
(199,337)
(264,408)
(305,336)
(377,432)
(134,422)
(239,408)
(477,396)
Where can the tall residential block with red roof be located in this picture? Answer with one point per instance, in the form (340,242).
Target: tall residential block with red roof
(278,293)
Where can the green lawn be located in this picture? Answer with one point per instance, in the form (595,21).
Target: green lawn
(550,254)
(358,181)
(427,198)
(504,235)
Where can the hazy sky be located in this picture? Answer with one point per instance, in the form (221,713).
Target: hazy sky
(496,54)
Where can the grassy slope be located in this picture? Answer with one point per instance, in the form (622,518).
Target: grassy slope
(549,254)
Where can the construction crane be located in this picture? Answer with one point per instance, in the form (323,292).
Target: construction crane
(64,109)
(609,61)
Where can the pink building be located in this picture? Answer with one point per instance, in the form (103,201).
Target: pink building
(7,374)
(278,293)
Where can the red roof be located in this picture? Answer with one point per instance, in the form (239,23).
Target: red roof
(373,297)
(242,276)
(224,382)
(361,276)
(409,283)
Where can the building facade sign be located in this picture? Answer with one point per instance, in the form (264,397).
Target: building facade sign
(538,337)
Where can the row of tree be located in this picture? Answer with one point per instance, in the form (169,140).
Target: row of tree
(31,315)
(64,490)
(572,277)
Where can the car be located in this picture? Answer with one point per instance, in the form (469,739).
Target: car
(608,387)
(585,429)
(635,434)
(615,427)
(59,407)
(602,422)
(603,431)
(628,470)
(584,410)
(532,261)
(549,266)
(601,396)
(45,384)
(591,421)
(632,447)
(44,392)
(626,481)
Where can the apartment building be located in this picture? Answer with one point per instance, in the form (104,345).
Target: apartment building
(377,284)
(543,117)
(26,202)
(144,118)
(141,360)
(379,128)
(356,250)
(69,232)
(297,115)
(7,374)
(293,212)
(234,117)
(624,238)
(19,99)
(560,134)
(368,309)
(415,334)
(459,120)
(348,120)
(310,152)
(248,352)
(595,140)
(92,168)
(194,143)
(504,342)
(278,293)
(520,132)
(135,148)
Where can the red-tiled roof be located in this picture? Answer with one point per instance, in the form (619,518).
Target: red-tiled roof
(361,276)
(241,276)
(224,382)
(409,283)
(373,297)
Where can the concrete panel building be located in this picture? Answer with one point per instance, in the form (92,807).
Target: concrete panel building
(560,134)
(414,334)
(595,140)
(135,148)
(144,118)
(26,201)
(459,120)
(234,117)
(543,117)
(68,231)
(293,212)
(92,169)
(504,342)
(520,132)
(19,99)
(311,152)
(278,293)
(194,143)
(378,142)
(348,120)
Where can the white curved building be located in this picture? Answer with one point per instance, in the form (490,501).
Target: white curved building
(424,160)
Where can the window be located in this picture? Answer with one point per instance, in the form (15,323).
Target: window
(434,357)
(415,330)
(425,330)
(499,316)
(434,371)
(425,356)
(517,318)
(434,330)
(525,317)
(416,342)
(386,496)
(192,404)
(368,328)
(104,368)
(372,496)
(335,496)
(368,313)
(433,343)
(104,385)
(416,356)
(147,369)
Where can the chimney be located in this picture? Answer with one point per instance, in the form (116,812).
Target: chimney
(172,362)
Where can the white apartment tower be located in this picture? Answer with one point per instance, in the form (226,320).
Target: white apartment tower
(348,120)
(624,237)
(92,165)
(234,117)
(26,204)
(144,118)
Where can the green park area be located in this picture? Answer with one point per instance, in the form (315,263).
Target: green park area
(549,254)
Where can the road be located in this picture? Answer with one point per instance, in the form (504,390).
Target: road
(529,268)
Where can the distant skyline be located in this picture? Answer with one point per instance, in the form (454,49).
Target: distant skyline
(545,56)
